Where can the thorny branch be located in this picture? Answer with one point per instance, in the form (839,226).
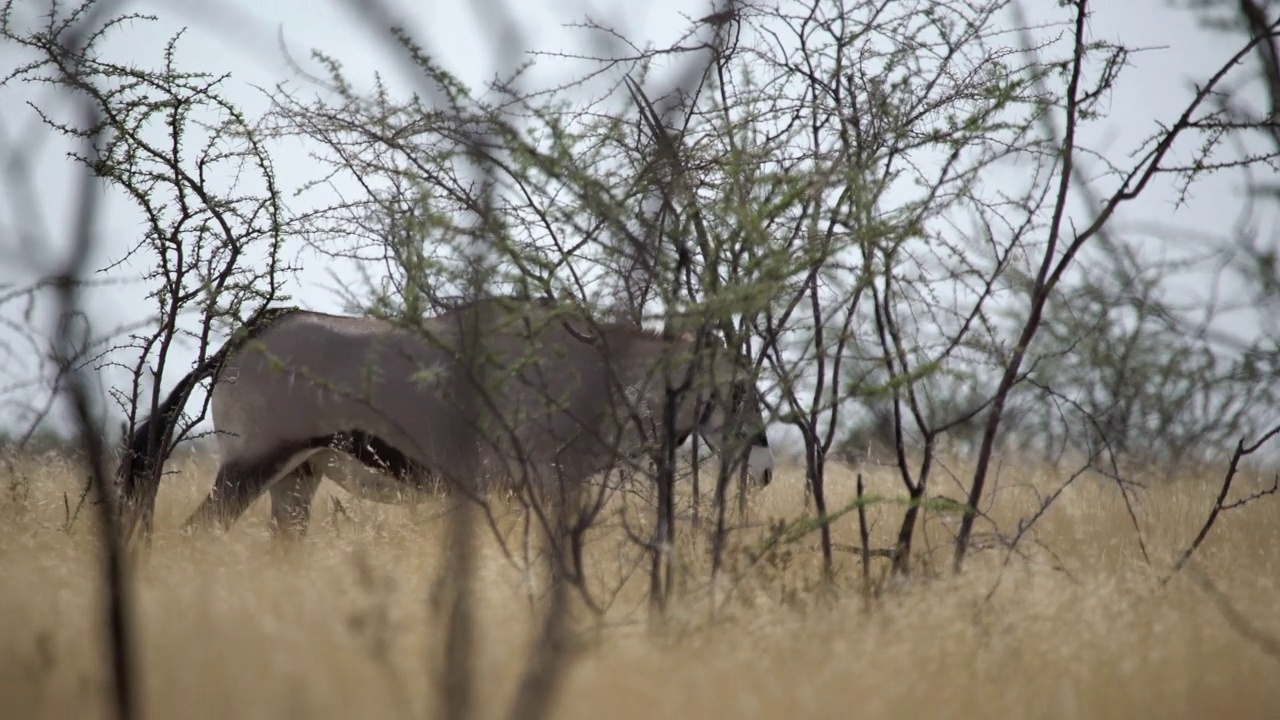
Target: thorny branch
(68,340)
(1220,504)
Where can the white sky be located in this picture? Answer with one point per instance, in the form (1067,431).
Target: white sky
(240,38)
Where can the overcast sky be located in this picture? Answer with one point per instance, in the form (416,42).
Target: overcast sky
(240,38)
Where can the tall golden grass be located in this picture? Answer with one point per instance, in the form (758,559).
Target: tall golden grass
(1074,625)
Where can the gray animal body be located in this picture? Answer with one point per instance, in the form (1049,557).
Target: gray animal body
(499,392)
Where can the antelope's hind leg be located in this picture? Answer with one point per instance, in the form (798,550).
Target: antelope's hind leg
(291,498)
(238,484)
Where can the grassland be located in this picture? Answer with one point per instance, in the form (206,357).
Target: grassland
(340,625)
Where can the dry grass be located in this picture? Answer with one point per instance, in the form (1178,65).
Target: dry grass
(341,626)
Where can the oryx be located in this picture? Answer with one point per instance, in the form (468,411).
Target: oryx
(497,390)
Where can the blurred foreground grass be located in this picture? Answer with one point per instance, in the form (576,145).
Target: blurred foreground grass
(340,625)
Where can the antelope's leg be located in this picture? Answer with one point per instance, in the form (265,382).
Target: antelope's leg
(238,484)
(291,498)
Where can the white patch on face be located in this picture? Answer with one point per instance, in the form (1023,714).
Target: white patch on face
(760,463)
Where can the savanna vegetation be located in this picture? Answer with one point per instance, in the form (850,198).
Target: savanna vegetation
(1025,433)
(1075,623)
